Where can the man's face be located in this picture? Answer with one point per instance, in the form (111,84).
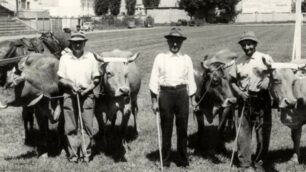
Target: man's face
(249,47)
(77,47)
(175,44)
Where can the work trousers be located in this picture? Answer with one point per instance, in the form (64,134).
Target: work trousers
(257,115)
(174,102)
(73,125)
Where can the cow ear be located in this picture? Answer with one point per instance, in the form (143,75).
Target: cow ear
(98,57)
(133,58)
(203,63)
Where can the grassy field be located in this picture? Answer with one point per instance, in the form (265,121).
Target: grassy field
(275,40)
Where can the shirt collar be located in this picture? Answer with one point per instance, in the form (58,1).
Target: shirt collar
(174,55)
(84,56)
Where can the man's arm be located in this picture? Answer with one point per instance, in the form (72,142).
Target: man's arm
(243,94)
(95,82)
(68,84)
(155,107)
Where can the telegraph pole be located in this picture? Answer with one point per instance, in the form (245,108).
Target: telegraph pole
(17,8)
(297,41)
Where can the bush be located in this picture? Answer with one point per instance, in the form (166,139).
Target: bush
(149,22)
(182,22)
(199,22)
(129,21)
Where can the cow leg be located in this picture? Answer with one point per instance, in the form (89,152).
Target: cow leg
(296,138)
(123,131)
(28,118)
(43,124)
(200,119)
(134,112)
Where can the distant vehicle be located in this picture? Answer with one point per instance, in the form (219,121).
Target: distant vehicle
(88,26)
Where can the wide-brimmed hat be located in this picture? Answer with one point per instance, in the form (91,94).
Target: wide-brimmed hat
(78,36)
(175,33)
(248,35)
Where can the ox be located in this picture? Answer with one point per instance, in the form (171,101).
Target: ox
(214,94)
(120,83)
(288,89)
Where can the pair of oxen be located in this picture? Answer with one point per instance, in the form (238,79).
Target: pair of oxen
(287,89)
(39,92)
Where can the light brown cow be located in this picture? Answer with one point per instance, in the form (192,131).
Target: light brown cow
(288,89)
(120,83)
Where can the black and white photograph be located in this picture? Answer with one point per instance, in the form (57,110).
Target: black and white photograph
(152,85)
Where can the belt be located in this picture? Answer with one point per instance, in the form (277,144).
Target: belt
(173,87)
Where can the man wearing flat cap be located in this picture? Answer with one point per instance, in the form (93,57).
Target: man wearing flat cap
(254,102)
(171,84)
(78,75)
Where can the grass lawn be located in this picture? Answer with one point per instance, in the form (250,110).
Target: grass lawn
(275,40)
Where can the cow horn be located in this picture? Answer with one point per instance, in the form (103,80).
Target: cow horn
(269,66)
(133,58)
(98,57)
(36,100)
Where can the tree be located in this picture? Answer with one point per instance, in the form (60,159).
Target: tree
(130,6)
(206,8)
(150,3)
(101,7)
(114,7)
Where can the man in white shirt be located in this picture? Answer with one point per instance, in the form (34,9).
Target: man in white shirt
(172,81)
(252,90)
(78,74)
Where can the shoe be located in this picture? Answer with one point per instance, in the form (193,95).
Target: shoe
(259,166)
(73,159)
(86,159)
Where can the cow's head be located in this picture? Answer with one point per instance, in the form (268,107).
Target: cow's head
(282,79)
(216,81)
(52,43)
(115,74)
(214,91)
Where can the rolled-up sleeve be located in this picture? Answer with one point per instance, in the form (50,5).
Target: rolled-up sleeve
(62,68)
(192,87)
(154,79)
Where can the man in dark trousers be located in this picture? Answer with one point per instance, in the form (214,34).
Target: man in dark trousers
(78,74)
(254,99)
(171,84)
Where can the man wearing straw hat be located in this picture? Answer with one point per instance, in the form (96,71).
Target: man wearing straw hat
(79,75)
(254,103)
(172,81)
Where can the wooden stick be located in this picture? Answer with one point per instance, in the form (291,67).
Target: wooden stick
(159,140)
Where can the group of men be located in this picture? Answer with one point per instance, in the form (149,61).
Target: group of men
(172,86)
(172,83)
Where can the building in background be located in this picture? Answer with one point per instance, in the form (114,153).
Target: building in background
(265,11)
(168,11)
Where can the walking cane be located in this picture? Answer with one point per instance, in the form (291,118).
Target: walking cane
(159,140)
(81,123)
(236,139)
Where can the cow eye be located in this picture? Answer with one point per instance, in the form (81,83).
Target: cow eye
(109,74)
(276,81)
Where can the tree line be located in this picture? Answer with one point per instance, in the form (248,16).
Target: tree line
(203,9)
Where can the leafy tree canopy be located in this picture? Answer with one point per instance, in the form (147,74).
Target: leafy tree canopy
(150,3)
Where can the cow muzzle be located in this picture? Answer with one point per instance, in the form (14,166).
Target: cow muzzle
(287,103)
(229,102)
(124,91)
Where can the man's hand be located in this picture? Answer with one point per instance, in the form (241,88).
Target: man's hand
(244,95)
(155,107)
(264,84)
(194,104)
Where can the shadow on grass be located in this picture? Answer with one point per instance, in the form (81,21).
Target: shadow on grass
(210,143)
(111,144)
(27,155)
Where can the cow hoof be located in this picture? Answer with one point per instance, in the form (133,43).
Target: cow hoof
(295,158)
(3,106)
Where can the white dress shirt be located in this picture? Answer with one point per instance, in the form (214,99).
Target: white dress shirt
(172,70)
(81,71)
